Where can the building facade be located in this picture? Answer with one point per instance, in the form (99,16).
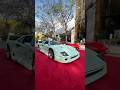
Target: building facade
(102,18)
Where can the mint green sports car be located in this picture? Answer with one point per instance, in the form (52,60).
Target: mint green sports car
(59,52)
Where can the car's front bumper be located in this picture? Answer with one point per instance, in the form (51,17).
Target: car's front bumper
(69,59)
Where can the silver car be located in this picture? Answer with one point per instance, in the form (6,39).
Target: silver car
(21,50)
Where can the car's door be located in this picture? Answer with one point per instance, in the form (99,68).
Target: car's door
(18,49)
(24,52)
(28,46)
(45,47)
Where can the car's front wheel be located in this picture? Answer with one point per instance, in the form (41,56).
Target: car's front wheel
(51,54)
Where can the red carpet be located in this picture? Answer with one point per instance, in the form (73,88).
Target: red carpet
(14,76)
(51,75)
(112,80)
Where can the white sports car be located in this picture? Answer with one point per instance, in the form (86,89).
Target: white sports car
(59,52)
(21,50)
(95,66)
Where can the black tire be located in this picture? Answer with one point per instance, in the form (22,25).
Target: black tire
(51,54)
(8,54)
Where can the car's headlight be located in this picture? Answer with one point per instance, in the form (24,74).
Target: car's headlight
(64,54)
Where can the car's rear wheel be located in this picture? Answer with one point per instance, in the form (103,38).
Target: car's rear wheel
(51,54)
(8,54)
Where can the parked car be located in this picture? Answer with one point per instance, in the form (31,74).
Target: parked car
(37,43)
(21,50)
(95,66)
(97,47)
(59,52)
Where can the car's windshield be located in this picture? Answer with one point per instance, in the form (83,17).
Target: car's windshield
(54,43)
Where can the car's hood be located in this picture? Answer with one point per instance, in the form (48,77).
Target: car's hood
(93,61)
(65,48)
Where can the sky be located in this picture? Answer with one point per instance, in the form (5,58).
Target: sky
(38,2)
